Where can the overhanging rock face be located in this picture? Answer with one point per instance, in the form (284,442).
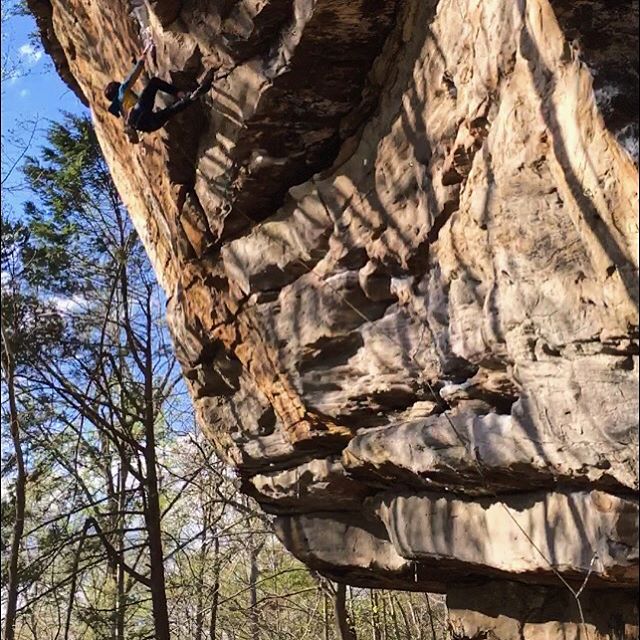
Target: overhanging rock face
(399,242)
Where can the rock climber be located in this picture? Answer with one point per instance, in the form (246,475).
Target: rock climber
(138,110)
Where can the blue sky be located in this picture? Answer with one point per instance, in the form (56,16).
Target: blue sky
(34,95)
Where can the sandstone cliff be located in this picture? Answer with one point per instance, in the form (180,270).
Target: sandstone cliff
(399,242)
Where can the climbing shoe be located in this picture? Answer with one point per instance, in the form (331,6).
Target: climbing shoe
(205,85)
(132,134)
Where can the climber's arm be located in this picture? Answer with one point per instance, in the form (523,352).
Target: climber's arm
(134,75)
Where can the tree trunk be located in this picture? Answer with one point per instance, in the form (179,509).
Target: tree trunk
(74,577)
(156,557)
(394,617)
(415,620)
(121,603)
(152,513)
(120,576)
(326,615)
(200,586)
(216,590)
(346,630)
(117,504)
(404,619)
(433,628)
(375,615)
(21,482)
(383,598)
(113,574)
(254,572)
(199,613)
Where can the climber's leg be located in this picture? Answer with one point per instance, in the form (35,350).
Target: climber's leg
(144,119)
(205,84)
(157,119)
(142,116)
(148,96)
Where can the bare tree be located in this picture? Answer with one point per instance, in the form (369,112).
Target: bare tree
(346,627)
(8,369)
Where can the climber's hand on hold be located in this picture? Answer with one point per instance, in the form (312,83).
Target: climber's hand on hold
(148,49)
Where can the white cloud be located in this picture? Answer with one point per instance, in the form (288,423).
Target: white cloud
(24,93)
(30,53)
(68,305)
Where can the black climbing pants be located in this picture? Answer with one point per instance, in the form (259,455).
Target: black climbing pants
(144,118)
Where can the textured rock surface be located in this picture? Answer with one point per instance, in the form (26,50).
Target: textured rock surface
(505,611)
(399,242)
